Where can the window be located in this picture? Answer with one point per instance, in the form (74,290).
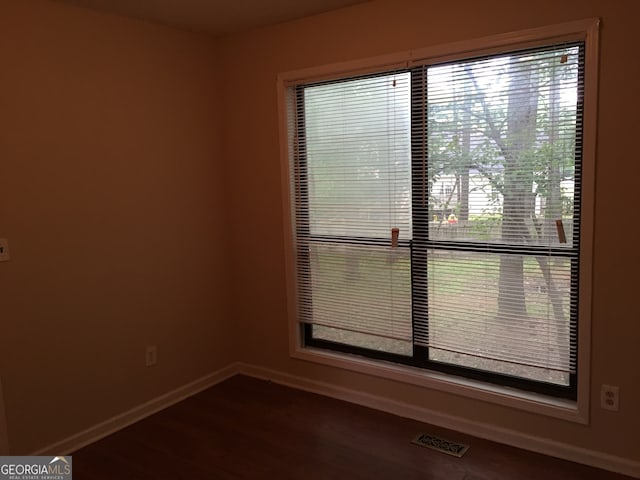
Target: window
(437,212)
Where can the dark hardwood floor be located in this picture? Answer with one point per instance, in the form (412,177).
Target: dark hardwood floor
(245,428)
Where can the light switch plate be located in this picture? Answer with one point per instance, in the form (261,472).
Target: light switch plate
(4,250)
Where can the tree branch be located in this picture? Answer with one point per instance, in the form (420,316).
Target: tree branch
(494,133)
(489,176)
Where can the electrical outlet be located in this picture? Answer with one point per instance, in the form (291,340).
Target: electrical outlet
(151,356)
(610,398)
(4,250)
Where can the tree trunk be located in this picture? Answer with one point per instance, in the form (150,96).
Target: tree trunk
(518,184)
(464,173)
(553,201)
(553,208)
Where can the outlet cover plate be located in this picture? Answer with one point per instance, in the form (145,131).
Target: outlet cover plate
(610,398)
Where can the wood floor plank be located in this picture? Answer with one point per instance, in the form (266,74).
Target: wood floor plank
(245,428)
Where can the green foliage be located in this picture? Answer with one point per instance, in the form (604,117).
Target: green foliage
(484,227)
(477,105)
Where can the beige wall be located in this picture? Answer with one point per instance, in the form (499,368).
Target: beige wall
(251,63)
(137,216)
(112,198)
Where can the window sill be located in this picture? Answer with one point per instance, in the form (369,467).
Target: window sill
(573,411)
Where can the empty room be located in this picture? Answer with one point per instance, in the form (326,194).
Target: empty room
(319,239)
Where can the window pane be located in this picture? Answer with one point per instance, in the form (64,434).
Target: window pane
(502,313)
(502,148)
(358,157)
(359,289)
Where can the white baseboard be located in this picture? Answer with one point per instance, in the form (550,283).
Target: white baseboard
(483,430)
(118,422)
(478,429)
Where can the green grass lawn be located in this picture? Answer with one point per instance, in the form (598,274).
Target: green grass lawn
(362,296)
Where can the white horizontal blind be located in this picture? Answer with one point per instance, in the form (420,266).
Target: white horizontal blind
(503,136)
(352,159)
(502,147)
(476,165)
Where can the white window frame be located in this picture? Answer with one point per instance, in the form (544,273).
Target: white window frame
(578,31)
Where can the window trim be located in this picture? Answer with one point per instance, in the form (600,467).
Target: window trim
(581,30)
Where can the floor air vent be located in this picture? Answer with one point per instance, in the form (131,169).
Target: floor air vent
(441,445)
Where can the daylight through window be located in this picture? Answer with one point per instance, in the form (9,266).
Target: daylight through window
(437,215)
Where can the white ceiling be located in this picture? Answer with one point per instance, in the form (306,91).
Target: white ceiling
(215,17)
